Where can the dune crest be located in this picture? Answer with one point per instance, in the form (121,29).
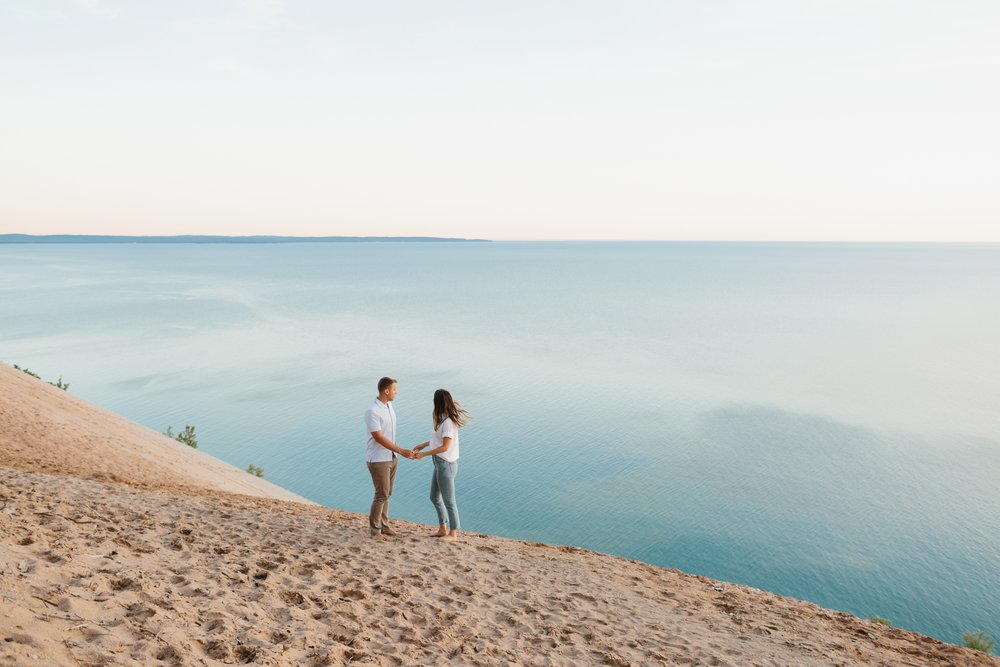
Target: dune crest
(118,547)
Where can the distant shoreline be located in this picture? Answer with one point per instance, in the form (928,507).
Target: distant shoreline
(80,238)
(94,239)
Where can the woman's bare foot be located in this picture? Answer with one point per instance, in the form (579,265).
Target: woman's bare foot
(452,536)
(442,532)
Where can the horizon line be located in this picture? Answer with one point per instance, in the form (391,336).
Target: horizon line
(20,238)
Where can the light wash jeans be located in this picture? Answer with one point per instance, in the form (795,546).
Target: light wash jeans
(443,492)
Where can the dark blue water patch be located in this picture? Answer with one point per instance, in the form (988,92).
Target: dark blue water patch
(853,534)
(870,584)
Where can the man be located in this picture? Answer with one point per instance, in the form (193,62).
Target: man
(380,422)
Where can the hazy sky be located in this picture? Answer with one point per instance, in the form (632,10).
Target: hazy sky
(779,119)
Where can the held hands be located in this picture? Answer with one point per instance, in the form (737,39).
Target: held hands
(415,453)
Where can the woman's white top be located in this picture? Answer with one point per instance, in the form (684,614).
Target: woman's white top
(446,429)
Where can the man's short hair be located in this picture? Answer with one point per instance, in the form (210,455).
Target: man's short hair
(385,383)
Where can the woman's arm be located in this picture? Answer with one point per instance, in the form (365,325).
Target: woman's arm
(421,445)
(445,444)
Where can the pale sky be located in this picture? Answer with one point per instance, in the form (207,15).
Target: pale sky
(840,120)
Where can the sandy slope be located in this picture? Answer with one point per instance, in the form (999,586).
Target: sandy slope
(45,429)
(118,548)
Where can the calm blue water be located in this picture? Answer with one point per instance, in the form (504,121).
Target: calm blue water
(817,420)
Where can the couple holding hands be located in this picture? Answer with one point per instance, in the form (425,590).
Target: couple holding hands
(381,457)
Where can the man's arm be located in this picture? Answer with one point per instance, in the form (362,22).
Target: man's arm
(391,446)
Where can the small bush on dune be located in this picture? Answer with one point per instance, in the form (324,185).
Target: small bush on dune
(186,436)
(255,470)
(979,641)
(881,620)
(25,370)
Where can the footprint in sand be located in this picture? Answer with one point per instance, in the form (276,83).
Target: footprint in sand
(353,594)
(342,634)
(169,655)
(292,597)
(217,650)
(139,612)
(125,584)
(304,572)
(246,654)
(215,625)
(191,591)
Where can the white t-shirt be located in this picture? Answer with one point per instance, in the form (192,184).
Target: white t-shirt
(379,417)
(446,429)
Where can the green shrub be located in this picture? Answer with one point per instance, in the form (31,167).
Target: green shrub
(255,470)
(979,641)
(58,383)
(25,370)
(881,620)
(186,436)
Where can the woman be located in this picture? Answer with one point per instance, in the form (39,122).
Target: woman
(448,416)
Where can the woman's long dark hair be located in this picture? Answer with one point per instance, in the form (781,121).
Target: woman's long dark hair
(446,407)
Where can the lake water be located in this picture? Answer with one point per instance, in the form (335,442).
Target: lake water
(820,421)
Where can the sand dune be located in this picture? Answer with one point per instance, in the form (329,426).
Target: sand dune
(46,429)
(121,547)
